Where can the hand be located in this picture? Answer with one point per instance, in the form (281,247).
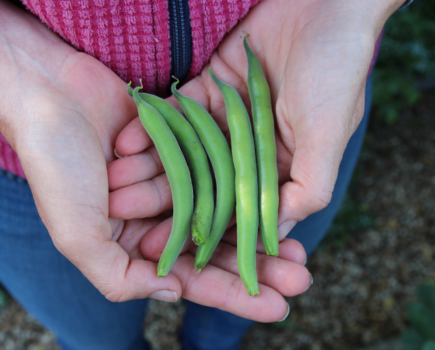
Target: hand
(316,57)
(61,111)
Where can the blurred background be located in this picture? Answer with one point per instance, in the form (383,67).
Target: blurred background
(374,273)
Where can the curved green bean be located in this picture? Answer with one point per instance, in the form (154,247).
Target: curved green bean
(198,164)
(243,149)
(264,134)
(179,179)
(219,153)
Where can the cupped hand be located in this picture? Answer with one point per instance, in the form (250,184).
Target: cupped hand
(316,56)
(61,111)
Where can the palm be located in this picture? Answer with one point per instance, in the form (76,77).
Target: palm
(71,134)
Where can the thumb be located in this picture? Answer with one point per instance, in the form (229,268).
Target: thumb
(68,177)
(320,141)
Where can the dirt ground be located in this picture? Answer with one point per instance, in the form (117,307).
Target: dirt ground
(363,276)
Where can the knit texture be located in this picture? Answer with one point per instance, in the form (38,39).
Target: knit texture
(131,37)
(210,21)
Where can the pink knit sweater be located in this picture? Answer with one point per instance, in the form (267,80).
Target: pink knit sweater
(132,38)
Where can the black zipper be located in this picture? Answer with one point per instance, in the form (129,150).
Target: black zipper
(181,38)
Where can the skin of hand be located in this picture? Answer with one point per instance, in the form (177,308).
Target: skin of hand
(316,56)
(61,111)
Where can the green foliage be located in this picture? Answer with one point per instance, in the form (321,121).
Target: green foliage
(3,297)
(421,314)
(352,217)
(430,345)
(286,324)
(407,56)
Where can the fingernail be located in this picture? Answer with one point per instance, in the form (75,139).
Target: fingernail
(116,154)
(286,315)
(165,295)
(286,227)
(306,258)
(311,282)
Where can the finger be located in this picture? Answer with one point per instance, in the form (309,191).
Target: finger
(154,242)
(314,171)
(136,168)
(141,200)
(289,249)
(292,250)
(132,233)
(87,244)
(317,113)
(120,278)
(132,139)
(286,277)
(221,289)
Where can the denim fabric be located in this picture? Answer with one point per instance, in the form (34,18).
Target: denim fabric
(53,289)
(57,294)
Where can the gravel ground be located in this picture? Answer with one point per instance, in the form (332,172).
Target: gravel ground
(361,288)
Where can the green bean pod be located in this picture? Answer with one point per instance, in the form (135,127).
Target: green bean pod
(179,179)
(219,154)
(264,134)
(198,165)
(243,149)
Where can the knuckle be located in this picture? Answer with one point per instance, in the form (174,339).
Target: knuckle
(162,194)
(115,295)
(323,200)
(300,202)
(234,291)
(318,201)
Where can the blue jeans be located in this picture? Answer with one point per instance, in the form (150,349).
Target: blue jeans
(62,299)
